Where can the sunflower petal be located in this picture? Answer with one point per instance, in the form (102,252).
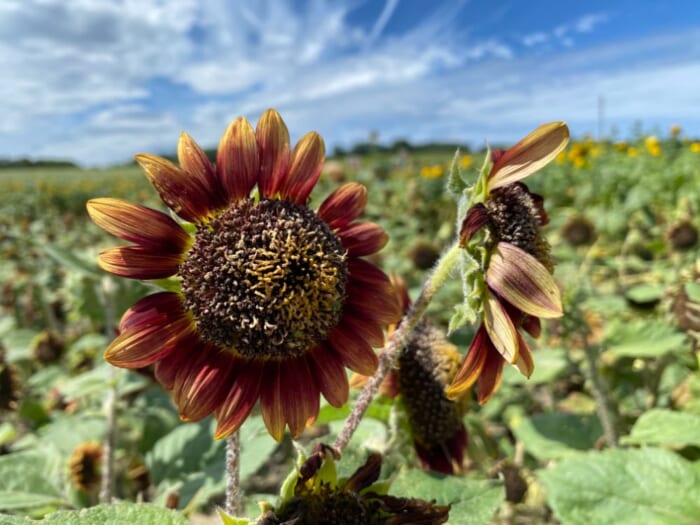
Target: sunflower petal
(144,344)
(237,162)
(195,162)
(273,148)
(136,262)
(271,400)
(354,351)
(369,330)
(529,155)
(524,363)
(156,308)
(146,227)
(243,394)
(344,205)
(304,169)
(490,378)
(523,281)
(201,388)
(180,191)
(476,218)
(330,376)
(471,367)
(300,396)
(500,328)
(363,238)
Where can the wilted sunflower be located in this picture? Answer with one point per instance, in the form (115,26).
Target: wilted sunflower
(519,287)
(274,297)
(84,464)
(314,495)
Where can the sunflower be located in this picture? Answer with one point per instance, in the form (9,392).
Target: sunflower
(85,466)
(273,299)
(518,269)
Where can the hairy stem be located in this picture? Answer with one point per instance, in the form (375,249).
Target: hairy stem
(106,489)
(599,391)
(388,356)
(233,469)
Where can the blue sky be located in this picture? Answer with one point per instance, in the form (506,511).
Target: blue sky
(97,81)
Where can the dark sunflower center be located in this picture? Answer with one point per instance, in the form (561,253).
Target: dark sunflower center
(424,373)
(515,219)
(265,280)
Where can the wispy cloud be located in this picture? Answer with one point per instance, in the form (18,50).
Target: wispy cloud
(111,80)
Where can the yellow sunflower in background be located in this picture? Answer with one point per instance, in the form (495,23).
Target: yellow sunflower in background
(275,299)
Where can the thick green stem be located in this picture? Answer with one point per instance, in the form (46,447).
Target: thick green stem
(433,283)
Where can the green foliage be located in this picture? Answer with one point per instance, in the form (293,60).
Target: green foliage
(624,487)
(664,427)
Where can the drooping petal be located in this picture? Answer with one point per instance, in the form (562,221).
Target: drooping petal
(500,329)
(490,378)
(244,390)
(300,396)
(156,308)
(144,226)
(273,148)
(529,155)
(330,376)
(136,262)
(354,351)
(471,367)
(475,219)
(344,205)
(201,388)
(237,161)
(195,162)
(363,238)
(523,281)
(180,191)
(304,169)
(146,343)
(524,363)
(532,326)
(271,400)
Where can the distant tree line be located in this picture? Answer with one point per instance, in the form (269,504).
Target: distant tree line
(40,163)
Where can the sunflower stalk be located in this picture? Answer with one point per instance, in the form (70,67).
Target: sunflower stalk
(389,354)
(599,391)
(106,489)
(233,474)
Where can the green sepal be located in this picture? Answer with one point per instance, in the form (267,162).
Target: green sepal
(231,520)
(169,284)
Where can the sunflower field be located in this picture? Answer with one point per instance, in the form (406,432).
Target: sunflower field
(588,415)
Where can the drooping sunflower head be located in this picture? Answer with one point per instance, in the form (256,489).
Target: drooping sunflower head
(265,288)
(9,384)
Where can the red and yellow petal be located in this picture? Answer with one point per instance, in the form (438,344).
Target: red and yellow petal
(476,218)
(271,400)
(304,168)
(202,387)
(168,367)
(136,262)
(300,396)
(353,350)
(524,363)
(369,329)
(330,376)
(523,281)
(180,191)
(363,238)
(370,291)
(490,377)
(153,309)
(146,227)
(237,161)
(472,366)
(146,343)
(529,155)
(344,205)
(500,328)
(244,390)
(195,162)
(273,149)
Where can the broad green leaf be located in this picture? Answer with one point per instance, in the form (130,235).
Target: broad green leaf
(645,293)
(14,500)
(68,431)
(693,291)
(70,261)
(119,514)
(643,339)
(29,479)
(556,435)
(647,485)
(19,344)
(474,502)
(550,363)
(665,427)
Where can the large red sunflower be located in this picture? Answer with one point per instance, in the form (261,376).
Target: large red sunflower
(275,299)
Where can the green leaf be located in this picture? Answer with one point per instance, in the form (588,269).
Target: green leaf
(68,431)
(550,364)
(14,500)
(693,291)
(556,435)
(29,480)
(119,514)
(665,427)
(19,344)
(70,261)
(645,293)
(474,502)
(643,339)
(623,487)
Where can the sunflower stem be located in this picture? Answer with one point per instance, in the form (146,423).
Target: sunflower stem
(233,472)
(105,291)
(599,391)
(391,350)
